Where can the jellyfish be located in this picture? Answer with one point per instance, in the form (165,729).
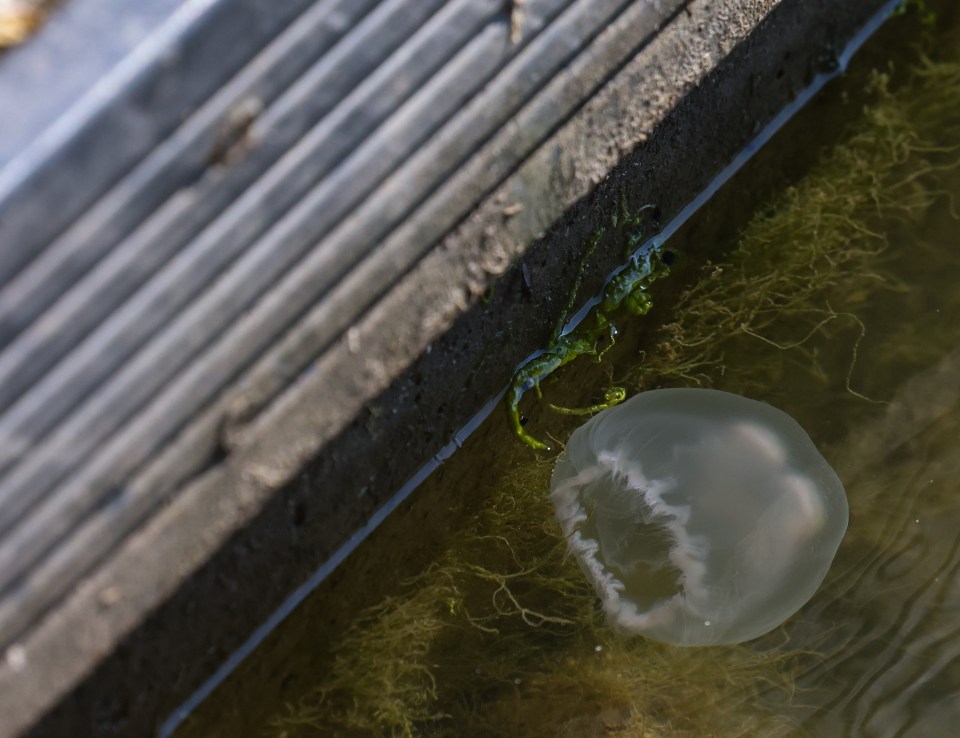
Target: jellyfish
(700,517)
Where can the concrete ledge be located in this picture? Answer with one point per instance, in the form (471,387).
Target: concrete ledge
(138,318)
(274,474)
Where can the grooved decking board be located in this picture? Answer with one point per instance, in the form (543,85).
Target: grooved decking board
(191,266)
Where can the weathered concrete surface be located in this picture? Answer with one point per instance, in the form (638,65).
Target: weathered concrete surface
(294,477)
(147,310)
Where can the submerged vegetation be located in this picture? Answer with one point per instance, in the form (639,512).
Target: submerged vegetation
(806,265)
(627,292)
(503,630)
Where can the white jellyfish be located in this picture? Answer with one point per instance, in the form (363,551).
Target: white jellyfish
(700,517)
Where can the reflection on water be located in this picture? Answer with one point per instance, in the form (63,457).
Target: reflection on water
(840,304)
(888,627)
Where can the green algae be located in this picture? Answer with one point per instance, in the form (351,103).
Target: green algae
(627,292)
(807,264)
(504,631)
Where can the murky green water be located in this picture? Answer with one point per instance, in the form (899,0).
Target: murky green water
(839,302)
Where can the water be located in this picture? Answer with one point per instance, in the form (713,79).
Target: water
(837,302)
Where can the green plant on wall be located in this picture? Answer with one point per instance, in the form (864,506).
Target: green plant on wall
(626,292)
(928,16)
(806,264)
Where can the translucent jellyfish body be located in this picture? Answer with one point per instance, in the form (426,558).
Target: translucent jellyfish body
(700,517)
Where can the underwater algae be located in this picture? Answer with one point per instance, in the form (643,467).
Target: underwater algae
(626,292)
(517,644)
(806,264)
(503,636)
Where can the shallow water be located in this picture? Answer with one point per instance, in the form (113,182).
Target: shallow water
(888,628)
(839,303)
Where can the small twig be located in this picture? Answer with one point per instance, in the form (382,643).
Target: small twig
(516,21)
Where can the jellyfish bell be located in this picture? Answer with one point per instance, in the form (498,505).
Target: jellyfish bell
(699,516)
